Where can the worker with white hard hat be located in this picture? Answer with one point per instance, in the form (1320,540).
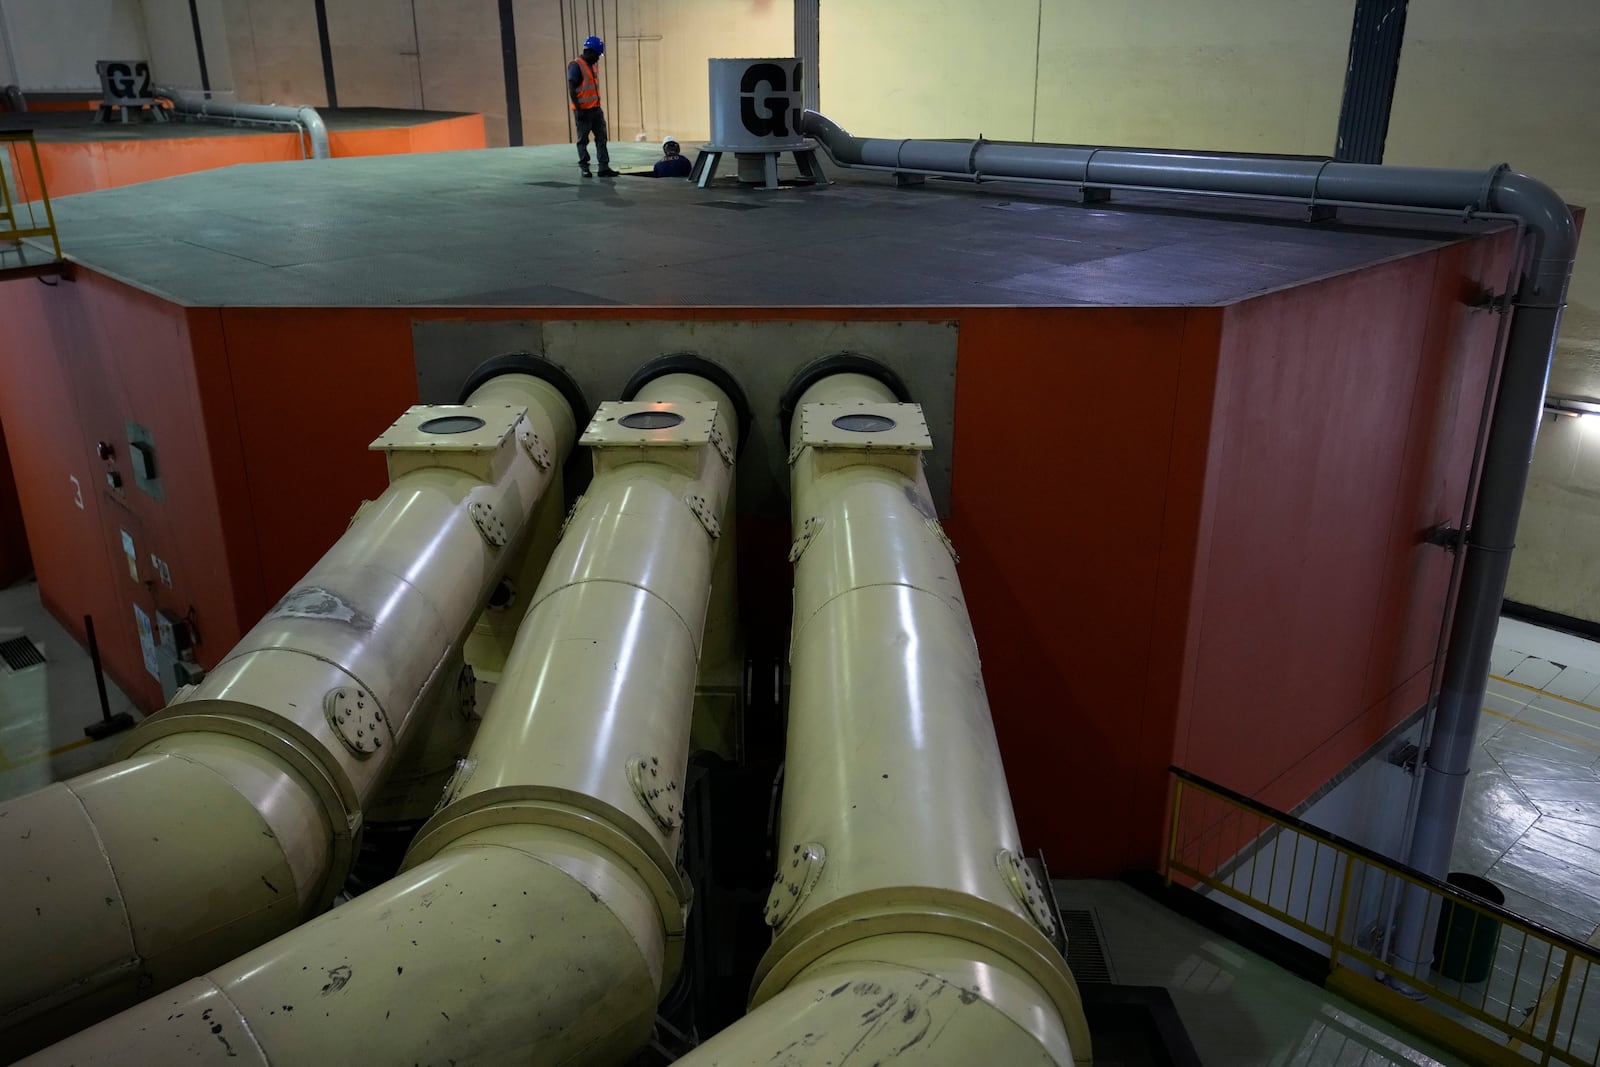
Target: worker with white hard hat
(673,163)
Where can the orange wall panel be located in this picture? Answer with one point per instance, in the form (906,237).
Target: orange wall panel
(1066,422)
(313,387)
(85,357)
(446,135)
(81,167)
(1188,534)
(1343,426)
(59,481)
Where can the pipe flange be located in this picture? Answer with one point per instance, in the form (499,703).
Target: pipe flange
(457,782)
(937,529)
(657,791)
(719,441)
(705,513)
(467,694)
(808,533)
(534,446)
(488,523)
(571,512)
(794,881)
(356,719)
(827,366)
(700,367)
(1026,889)
(362,509)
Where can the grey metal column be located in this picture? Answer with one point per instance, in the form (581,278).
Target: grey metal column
(808,45)
(1376,34)
(1519,406)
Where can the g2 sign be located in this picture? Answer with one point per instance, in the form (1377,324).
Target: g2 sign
(755,104)
(767,100)
(126,83)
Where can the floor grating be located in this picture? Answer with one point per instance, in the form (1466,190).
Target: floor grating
(1086,955)
(20,653)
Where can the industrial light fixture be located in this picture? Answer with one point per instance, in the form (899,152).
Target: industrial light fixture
(1571,406)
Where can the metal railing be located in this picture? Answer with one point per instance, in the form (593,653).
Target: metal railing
(14,229)
(1492,986)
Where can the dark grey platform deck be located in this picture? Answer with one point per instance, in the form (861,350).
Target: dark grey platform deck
(519,227)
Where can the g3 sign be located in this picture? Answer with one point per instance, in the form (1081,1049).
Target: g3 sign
(767,99)
(126,82)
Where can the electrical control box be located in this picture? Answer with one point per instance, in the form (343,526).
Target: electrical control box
(142,459)
(173,633)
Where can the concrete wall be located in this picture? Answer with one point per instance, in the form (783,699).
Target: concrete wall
(1256,75)
(1558,544)
(52,47)
(446,55)
(1482,82)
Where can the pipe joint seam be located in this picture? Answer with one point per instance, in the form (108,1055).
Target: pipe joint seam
(922,910)
(577,813)
(282,740)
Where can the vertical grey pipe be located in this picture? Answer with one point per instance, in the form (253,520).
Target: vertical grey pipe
(1519,401)
(1519,406)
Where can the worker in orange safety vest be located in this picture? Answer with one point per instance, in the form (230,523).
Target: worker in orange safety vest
(583,87)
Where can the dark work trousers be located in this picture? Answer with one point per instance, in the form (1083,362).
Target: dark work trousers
(591,120)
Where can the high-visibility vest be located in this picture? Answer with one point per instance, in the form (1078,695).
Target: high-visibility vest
(588,93)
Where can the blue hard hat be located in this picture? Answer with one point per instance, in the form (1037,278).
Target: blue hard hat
(595,45)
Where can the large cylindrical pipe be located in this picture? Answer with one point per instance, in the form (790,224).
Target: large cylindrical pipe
(900,893)
(233,814)
(541,912)
(304,117)
(1538,301)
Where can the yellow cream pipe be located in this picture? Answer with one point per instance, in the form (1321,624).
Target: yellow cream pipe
(233,814)
(901,907)
(540,914)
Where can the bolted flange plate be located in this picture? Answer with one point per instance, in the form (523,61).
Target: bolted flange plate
(491,525)
(702,511)
(808,533)
(355,718)
(656,790)
(1026,888)
(797,875)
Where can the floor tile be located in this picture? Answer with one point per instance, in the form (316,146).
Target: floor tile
(1504,659)
(1239,1010)
(1533,672)
(1552,881)
(1574,683)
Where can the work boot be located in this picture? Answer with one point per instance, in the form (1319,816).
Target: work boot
(607,172)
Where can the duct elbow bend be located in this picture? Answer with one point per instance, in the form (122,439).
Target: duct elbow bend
(317,130)
(1546,214)
(844,148)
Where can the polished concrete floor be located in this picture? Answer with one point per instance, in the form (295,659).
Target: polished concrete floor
(1239,1009)
(1531,823)
(44,708)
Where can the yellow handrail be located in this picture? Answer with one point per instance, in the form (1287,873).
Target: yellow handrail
(1501,989)
(10,229)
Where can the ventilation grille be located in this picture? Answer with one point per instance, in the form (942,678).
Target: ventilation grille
(1085,955)
(20,653)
